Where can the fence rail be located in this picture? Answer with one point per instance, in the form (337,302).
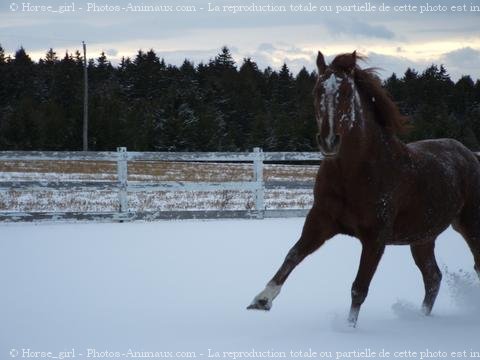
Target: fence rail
(158,156)
(122,186)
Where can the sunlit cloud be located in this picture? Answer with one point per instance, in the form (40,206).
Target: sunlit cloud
(392,41)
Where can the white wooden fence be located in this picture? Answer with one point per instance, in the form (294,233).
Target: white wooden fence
(123,187)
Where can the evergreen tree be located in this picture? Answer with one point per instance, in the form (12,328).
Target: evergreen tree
(3,59)
(283,110)
(249,95)
(221,84)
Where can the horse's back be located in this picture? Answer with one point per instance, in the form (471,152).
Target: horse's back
(451,157)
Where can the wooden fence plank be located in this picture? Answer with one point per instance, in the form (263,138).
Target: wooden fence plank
(258,180)
(146,216)
(191,156)
(28,186)
(122,177)
(293,156)
(58,185)
(58,155)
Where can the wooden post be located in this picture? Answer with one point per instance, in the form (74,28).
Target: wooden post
(85,98)
(122,174)
(258,178)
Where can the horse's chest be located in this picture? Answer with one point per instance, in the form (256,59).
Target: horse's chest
(362,206)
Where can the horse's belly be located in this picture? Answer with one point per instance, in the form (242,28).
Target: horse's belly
(429,205)
(417,237)
(424,224)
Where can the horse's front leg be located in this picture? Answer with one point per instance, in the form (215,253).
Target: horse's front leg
(317,229)
(371,255)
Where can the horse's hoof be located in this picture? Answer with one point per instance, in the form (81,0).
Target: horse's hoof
(353,317)
(426,310)
(352,323)
(260,304)
(263,301)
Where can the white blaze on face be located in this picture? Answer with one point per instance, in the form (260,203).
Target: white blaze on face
(330,99)
(354,103)
(328,102)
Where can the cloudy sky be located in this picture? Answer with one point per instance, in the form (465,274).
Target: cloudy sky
(393,40)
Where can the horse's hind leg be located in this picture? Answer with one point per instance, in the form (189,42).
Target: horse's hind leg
(468,225)
(424,257)
(316,231)
(473,242)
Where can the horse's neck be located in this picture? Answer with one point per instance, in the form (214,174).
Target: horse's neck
(371,144)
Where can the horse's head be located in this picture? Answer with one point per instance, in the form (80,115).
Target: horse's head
(335,100)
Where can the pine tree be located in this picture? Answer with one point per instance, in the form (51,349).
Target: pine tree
(249,98)
(220,78)
(3,59)
(303,136)
(3,76)
(283,110)
(224,60)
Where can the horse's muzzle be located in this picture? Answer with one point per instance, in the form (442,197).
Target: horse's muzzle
(329,148)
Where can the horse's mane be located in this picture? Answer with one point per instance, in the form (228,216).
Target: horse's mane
(369,85)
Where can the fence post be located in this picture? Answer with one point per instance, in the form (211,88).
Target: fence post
(258,178)
(122,175)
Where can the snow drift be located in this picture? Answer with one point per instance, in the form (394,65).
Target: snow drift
(179,289)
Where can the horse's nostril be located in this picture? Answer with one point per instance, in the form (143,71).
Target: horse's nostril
(320,141)
(336,140)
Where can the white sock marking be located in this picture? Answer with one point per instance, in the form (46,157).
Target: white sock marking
(270,292)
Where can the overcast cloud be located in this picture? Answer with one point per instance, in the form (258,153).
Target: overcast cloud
(393,41)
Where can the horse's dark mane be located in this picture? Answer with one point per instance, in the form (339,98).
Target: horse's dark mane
(370,87)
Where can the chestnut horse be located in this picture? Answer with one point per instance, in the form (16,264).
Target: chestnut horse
(374,187)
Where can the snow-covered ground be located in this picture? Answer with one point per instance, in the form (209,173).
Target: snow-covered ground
(183,286)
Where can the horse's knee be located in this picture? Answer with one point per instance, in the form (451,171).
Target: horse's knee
(359,294)
(293,255)
(435,280)
(435,273)
(304,247)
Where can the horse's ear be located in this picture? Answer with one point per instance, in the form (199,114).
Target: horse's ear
(321,66)
(351,61)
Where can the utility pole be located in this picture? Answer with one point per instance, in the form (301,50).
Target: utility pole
(85,99)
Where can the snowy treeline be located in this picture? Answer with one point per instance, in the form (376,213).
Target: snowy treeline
(146,104)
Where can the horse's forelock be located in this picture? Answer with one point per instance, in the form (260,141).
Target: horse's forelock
(346,62)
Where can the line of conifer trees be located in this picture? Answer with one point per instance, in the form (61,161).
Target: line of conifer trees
(148,105)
